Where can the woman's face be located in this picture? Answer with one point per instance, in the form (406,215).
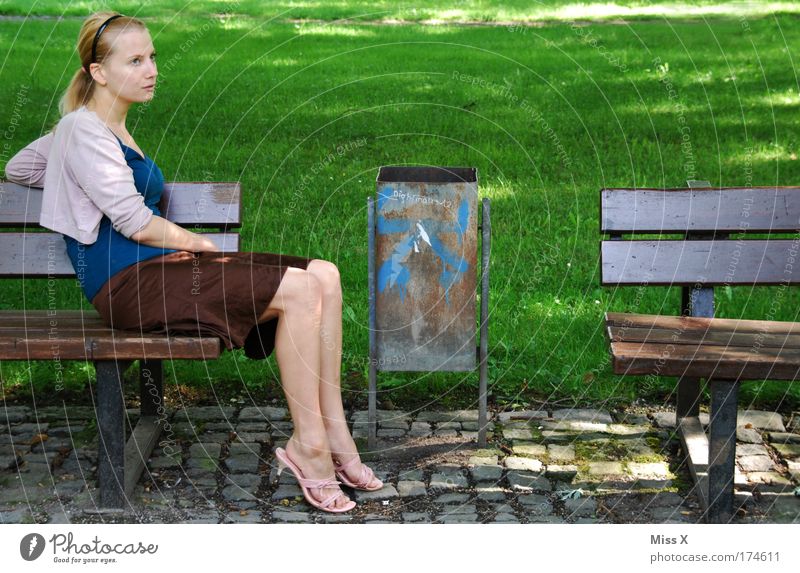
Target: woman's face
(130,71)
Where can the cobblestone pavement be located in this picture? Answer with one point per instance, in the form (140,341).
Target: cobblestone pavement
(216,465)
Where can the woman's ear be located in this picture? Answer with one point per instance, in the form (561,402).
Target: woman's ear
(96,71)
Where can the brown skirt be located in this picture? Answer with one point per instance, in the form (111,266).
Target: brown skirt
(213,293)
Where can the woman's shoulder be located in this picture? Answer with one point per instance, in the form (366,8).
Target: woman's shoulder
(82,120)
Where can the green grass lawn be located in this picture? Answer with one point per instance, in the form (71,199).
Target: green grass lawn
(548,115)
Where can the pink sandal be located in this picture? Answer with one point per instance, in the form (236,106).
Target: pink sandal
(367,475)
(284,461)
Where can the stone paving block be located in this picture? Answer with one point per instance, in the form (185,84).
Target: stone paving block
(580,507)
(205,450)
(263,413)
(475,426)
(416,517)
(14,415)
(794,470)
(503,517)
(784,438)
(245,516)
(487,460)
(556,437)
(573,426)
(788,451)
(486,473)
(445,433)
(505,417)
(761,419)
(205,414)
(447,481)
(748,435)
(411,488)
(286,491)
(254,437)
(751,450)
(493,494)
(517,434)
(583,415)
(529,450)
(522,481)
(395,425)
(768,478)
(561,472)
(411,475)
(546,519)
(560,453)
(420,429)
(243,464)
(383,415)
(290,517)
(755,463)
(458,518)
(523,464)
(390,433)
(459,498)
(535,504)
(644,470)
(597,468)
(243,480)
(388,491)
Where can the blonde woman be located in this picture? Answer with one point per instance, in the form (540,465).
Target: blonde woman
(141,271)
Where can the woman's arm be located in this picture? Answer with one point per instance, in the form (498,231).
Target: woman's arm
(160,232)
(28,166)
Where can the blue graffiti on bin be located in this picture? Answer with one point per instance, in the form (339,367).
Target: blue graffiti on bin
(394,272)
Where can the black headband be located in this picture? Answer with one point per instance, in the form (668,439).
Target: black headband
(97,37)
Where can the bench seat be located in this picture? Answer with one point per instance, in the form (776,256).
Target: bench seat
(643,344)
(82,335)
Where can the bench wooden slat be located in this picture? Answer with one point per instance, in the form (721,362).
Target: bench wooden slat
(734,209)
(745,262)
(44,254)
(705,361)
(700,323)
(711,337)
(120,346)
(184,203)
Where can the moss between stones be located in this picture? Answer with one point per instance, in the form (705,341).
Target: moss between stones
(536,433)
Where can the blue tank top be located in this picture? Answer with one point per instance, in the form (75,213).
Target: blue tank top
(96,263)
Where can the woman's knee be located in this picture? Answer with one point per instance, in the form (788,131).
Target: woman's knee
(299,289)
(328,275)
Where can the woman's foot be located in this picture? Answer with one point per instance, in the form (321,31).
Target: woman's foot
(315,464)
(345,453)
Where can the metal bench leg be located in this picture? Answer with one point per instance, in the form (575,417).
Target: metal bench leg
(722,450)
(110,423)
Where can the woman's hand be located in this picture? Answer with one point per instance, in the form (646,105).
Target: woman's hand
(203,243)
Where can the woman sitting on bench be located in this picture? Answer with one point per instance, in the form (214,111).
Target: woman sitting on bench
(141,271)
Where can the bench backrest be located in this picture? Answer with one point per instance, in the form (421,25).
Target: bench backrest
(703,254)
(28,250)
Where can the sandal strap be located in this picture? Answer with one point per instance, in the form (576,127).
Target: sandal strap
(366,476)
(317,483)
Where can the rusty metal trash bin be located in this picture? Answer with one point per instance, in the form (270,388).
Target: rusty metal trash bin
(423,272)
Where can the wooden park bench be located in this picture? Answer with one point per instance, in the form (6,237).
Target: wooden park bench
(29,251)
(696,345)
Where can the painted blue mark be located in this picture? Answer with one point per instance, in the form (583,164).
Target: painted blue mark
(394,272)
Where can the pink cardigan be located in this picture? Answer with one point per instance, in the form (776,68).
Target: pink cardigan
(83,171)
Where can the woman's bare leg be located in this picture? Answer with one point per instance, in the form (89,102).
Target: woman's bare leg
(298,305)
(343,448)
